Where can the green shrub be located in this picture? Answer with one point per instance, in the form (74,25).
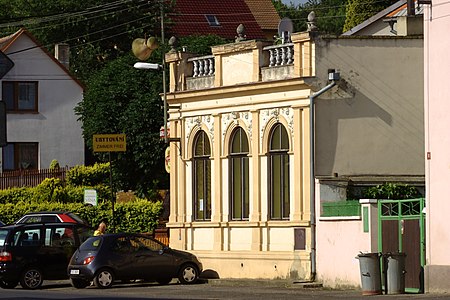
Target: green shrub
(13,195)
(88,175)
(138,216)
(54,165)
(395,191)
(75,194)
(50,189)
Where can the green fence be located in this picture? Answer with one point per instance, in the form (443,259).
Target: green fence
(341,209)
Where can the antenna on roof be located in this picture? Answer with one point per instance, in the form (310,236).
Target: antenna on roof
(285,28)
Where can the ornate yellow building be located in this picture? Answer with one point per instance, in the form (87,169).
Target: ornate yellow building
(239,165)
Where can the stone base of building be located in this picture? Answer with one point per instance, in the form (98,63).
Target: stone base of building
(255,265)
(436,279)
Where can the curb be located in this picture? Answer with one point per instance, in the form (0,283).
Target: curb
(264,282)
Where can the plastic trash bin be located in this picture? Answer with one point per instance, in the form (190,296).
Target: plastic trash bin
(369,265)
(395,272)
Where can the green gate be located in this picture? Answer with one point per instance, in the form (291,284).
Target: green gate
(401,228)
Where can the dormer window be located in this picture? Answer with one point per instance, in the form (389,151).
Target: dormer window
(212,20)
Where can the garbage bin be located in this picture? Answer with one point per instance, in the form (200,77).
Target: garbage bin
(395,272)
(369,265)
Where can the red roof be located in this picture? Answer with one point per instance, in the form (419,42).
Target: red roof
(189,18)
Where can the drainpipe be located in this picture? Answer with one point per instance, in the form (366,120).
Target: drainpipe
(334,77)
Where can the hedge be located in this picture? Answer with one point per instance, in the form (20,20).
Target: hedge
(52,194)
(52,189)
(139,215)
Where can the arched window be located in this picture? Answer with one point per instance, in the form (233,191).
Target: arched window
(239,169)
(278,159)
(202,177)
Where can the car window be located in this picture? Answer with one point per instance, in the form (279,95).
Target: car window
(123,245)
(84,233)
(147,243)
(40,219)
(3,235)
(59,236)
(27,237)
(92,244)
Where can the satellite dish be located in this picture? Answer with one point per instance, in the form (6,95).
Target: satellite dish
(285,28)
(143,48)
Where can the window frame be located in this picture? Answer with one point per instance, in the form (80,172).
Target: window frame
(280,151)
(203,161)
(239,156)
(212,20)
(16,153)
(16,93)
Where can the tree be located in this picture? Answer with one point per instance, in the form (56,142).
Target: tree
(360,10)
(121,99)
(97,31)
(330,14)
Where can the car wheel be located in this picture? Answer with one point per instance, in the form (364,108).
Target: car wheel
(104,279)
(79,283)
(164,281)
(31,279)
(8,284)
(188,274)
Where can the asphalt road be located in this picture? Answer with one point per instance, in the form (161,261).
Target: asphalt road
(234,290)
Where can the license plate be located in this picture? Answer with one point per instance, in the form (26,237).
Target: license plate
(74,272)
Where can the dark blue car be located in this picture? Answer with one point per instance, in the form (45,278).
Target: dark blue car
(106,258)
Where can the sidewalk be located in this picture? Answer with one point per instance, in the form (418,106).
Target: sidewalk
(314,290)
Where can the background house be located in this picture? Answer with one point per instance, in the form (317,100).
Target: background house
(40,97)
(204,17)
(369,130)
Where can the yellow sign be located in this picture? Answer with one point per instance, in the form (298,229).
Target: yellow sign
(110,142)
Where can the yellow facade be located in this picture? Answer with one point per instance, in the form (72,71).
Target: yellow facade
(241,92)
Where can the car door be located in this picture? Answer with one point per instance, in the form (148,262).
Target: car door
(59,245)
(26,244)
(121,258)
(151,259)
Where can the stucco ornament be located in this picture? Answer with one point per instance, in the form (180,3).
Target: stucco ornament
(200,122)
(287,113)
(235,117)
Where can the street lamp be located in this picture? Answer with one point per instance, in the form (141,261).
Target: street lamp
(148,66)
(152,66)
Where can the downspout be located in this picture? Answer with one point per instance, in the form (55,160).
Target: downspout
(334,77)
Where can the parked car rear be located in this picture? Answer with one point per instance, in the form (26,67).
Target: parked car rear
(106,258)
(31,253)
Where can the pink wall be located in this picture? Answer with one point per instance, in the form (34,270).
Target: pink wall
(437,141)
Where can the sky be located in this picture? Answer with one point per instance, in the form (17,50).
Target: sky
(296,2)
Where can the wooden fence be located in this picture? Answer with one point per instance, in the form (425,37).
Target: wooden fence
(21,178)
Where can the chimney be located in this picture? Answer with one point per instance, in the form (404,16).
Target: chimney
(411,7)
(62,54)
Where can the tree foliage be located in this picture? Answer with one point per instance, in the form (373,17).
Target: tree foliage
(332,16)
(121,99)
(360,10)
(97,31)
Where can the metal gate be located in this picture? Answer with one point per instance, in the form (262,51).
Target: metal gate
(401,227)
